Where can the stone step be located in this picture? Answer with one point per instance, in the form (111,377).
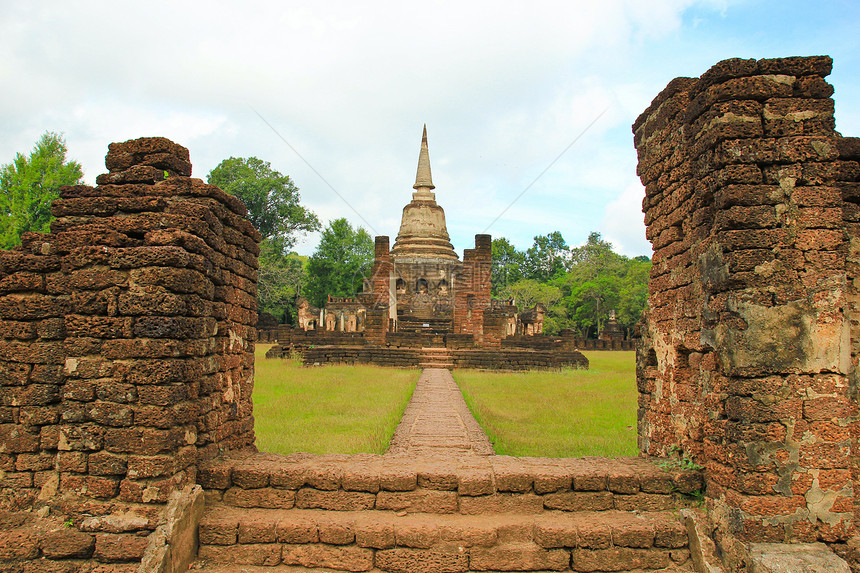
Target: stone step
(447,484)
(445,365)
(363,540)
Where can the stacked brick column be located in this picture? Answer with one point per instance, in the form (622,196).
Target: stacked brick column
(472,292)
(747,364)
(127,343)
(378,303)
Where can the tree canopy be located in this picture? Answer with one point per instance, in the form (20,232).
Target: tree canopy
(579,286)
(340,263)
(28,185)
(279,280)
(271,198)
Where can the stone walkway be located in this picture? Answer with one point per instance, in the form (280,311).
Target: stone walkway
(438,421)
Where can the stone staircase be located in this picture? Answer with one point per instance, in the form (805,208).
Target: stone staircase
(267,513)
(433,357)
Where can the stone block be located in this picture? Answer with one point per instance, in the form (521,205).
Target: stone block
(263,554)
(218,529)
(551,534)
(262,497)
(406,560)
(421,501)
(578,501)
(527,503)
(518,557)
(327,556)
(338,500)
(644,502)
(118,548)
(619,559)
(68,543)
(373,533)
(297,529)
(257,529)
(19,544)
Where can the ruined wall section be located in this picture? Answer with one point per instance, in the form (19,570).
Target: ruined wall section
(472,289)
(745,364)
(378,300)
(127,338)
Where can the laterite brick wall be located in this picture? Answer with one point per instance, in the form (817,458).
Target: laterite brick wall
(126,346)
(748,361)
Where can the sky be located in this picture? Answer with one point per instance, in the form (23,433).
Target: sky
(528,105)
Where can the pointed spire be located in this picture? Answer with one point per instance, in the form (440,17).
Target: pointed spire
(423,177)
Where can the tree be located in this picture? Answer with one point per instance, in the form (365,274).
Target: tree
(340,263)
(547,258)
(507,265)
(271,198)
(528,292)
(29,185)
(601,280)
(279,280)
(633,295)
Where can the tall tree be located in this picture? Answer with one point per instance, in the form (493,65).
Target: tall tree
(28,185)
(279,280)
(601,280)
(528,292)
(547,258)
(508,265)
(340,263)
(271,198)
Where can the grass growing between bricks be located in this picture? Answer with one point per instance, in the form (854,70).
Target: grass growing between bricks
(567,413)
(339,409)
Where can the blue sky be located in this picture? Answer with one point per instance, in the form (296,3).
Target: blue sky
(504,88)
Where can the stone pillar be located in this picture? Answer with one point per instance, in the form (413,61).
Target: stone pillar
(472,289)
(379,305)
(128,342)
(748,361)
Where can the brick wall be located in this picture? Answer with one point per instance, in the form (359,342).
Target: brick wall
(127,339)
(472,289)
(377,319)
(485,359)
(749,343)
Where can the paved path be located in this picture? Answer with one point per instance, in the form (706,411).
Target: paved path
(437,420)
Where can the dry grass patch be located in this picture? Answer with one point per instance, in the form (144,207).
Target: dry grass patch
(330,409)
(563,413)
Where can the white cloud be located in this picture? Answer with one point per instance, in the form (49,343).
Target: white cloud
(622,223)
(503,86)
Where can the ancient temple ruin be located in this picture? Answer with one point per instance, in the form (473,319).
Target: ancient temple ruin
(420,294)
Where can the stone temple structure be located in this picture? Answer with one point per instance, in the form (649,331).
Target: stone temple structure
(427,280)
(421,295)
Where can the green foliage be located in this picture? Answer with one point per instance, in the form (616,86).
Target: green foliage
(529,292)
(278,281)
(508,265)
(547,258)
(271,198)
(28,185)
(579,286)
(341,262)
(678,460)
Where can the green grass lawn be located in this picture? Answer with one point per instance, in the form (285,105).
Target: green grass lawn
(558,413)
(330,409)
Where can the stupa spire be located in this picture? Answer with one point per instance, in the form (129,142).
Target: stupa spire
(423,177)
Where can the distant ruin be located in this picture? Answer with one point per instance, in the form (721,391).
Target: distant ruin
(423,306)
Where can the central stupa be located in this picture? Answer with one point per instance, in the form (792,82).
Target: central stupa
(423,234)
